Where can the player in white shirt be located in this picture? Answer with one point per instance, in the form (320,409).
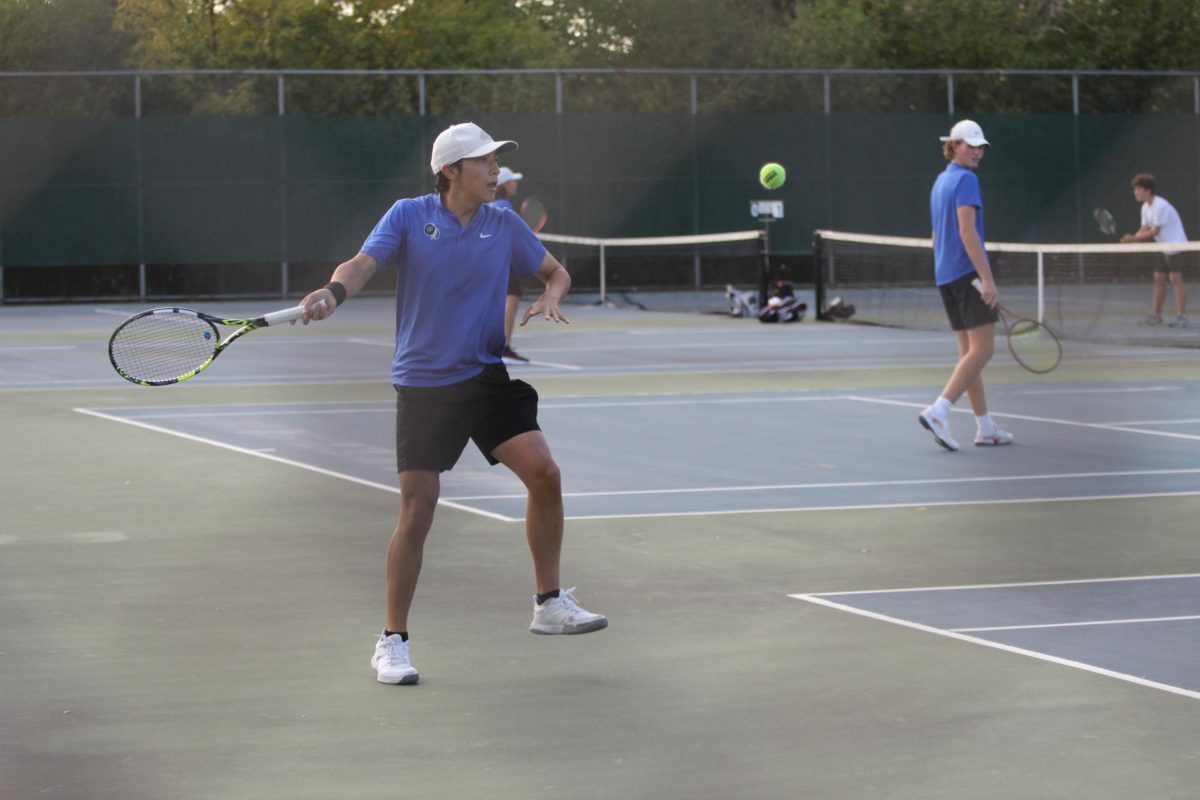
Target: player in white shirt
(1161,223)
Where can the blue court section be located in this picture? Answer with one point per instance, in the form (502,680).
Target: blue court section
(1145,629)
(683,454)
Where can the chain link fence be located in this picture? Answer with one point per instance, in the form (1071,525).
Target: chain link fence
(239,183)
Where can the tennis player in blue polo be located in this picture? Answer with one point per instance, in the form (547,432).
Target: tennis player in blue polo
(454,254)
(956,211)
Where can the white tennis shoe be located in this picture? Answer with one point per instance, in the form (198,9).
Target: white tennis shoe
(939,427)
(996,437)
(562,615)
(391,663)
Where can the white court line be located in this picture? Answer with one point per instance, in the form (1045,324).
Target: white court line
(279,460)
(1029,418)
(862,484)
(1088,624)
(556,365)
(998,646)
(1157,422)
(1104,391)
(538,363)
(761,344)
(1015,585)
(882,506)
(384,406)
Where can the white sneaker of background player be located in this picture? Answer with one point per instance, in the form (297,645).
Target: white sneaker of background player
(996,436)
(391,663)
(939,426)
(562,615)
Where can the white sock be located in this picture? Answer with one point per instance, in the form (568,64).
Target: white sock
(986,424)
(942,407)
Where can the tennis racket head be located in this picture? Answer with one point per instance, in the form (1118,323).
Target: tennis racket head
(168,345)
(1104,219)
(163,346)
(533,211)
(1034,346)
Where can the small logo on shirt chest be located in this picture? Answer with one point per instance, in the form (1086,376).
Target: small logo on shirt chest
(432,230)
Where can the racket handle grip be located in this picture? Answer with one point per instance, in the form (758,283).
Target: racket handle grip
(287,315)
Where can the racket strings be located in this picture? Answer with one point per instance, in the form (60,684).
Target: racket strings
(162,347)
(1034,346)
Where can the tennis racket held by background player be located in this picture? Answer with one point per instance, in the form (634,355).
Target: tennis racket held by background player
(168,345)
(1033,344)
(533,211)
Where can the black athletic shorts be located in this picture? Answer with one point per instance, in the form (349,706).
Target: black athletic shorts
(433,424)
(964,305)
(1175,262)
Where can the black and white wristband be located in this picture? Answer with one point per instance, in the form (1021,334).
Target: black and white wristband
(337,290)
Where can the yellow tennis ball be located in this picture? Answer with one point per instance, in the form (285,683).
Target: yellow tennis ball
(772,175)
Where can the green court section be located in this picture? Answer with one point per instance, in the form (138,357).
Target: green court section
(180,620)
(307,188)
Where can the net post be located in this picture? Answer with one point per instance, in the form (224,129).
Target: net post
(1041,286)
(764,277)
(603,277)
(819,276)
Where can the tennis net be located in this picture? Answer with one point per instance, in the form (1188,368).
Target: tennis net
(1092,292)
(664,272)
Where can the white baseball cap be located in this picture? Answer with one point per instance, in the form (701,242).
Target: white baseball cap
(507,175)
(966,131)
(465,140)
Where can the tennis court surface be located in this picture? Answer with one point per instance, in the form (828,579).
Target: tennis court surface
(807,597)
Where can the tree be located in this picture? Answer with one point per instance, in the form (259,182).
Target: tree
(61,35)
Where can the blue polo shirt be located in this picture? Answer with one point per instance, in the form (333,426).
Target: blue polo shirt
(450,285)
(956,187)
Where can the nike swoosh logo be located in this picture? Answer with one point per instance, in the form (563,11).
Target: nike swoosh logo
(485,236)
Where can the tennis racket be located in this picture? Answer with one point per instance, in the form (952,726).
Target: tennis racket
(534,214)
(169,345)
(1104,219)
(1032,344)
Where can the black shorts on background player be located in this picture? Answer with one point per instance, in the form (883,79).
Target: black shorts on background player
(964,305)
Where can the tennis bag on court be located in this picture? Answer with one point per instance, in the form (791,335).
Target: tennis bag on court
(741,304)
(782,305)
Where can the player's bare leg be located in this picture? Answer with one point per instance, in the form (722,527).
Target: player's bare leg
(1176,279)
(528,456)
(1160,292)
(419,491)
(976,348)
(555,609)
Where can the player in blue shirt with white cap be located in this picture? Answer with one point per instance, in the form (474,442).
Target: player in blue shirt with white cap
(454,253)
(956,211)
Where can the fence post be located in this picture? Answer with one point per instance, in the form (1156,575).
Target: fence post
(141,188)
(695,135)
(283,192)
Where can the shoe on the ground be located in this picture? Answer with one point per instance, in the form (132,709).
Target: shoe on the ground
(513,355)
(1152,319)
(996,437)
(1179,322)
(390,661)
(939,427)
(562,615)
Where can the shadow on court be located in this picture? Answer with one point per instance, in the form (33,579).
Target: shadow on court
(191,577)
